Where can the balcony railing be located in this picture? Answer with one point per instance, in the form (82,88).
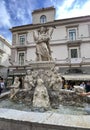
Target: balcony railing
(66,61)
(85,60)
(73,61)
(62,61)
(2,65)
(2,50)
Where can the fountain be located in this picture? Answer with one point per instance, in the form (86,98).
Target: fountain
(43,90)
(42,94)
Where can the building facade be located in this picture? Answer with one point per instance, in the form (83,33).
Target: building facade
(70,43)
(5,52)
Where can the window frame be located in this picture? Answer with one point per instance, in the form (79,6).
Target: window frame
(72,48)
(1,45)
(23,37)
(43,19)
(72,34)
(0,58)
(19,61)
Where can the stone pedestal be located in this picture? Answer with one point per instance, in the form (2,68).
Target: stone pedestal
(42,65)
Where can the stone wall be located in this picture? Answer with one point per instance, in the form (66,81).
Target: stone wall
(21,120)
(20,125)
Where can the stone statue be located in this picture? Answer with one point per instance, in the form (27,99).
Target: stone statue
(43,51)
(41,97)
(28,80)
(43,90)
(55,81)
(14,88)
(78,89)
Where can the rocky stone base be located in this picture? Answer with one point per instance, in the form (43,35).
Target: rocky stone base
(62,97)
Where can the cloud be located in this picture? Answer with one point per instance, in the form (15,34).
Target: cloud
(4,15)
(66,10)
(19,12)
(6,33)
(67,4)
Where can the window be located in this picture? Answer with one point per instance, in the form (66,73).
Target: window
(89,29)
(1,45)
(74,52)
(0,59)
(22,39)
(74,71)
(14,38)
(72,34)
(43,19)
(21,58)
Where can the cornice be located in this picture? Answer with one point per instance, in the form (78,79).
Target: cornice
(64,22)
(5,41)
(43,9)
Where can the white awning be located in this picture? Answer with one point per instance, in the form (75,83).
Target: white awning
(77,77)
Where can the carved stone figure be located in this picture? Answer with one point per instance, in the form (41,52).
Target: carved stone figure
(79,89)
(41,97)
(28,80)
(43,51)
(56,81)
(42,90)
(15,87)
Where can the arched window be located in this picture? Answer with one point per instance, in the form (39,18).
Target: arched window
(43,19)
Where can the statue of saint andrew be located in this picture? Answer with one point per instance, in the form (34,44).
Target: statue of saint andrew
(43,51)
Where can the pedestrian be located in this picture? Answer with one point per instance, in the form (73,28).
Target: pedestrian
(83,84)
(87,87)
(2,85)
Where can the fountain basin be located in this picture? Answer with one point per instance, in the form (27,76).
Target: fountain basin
(15,119)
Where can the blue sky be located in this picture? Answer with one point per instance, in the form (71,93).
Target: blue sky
(18,12)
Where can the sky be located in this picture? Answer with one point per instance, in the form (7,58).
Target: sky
(19,12)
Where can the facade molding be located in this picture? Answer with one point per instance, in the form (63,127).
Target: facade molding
(62,22)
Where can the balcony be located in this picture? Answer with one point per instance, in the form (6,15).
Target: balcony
(75,60)
(2,65)
(69,61)
(85,60)
(2,50)
(71,43)
(62,62)
(21,44)
(18,64)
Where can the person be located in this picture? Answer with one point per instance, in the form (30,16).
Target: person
(63,82)
(0,90)
(85,94)
(66,86)
(82,84)
(87,87)
(21,84)
(2,85)
(43,51)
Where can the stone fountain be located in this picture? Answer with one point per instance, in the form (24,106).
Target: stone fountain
(42,83)
(42,91)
